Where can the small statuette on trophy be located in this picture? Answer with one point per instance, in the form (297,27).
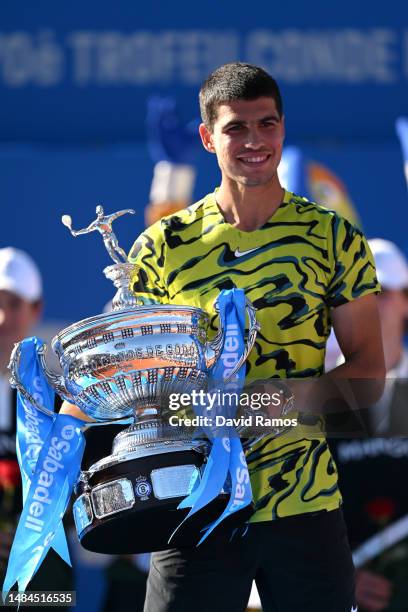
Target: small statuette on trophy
(121,272)
(103,224)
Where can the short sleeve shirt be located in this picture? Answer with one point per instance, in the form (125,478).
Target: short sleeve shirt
(302,262)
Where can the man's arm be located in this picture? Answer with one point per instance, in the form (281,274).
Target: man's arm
(359,381)
(358,332)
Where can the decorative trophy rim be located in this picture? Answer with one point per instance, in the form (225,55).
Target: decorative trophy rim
(119,314)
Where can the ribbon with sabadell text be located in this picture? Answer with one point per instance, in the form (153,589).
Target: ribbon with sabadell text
(226,459)
(49,452)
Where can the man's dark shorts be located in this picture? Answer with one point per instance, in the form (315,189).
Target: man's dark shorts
(300,564)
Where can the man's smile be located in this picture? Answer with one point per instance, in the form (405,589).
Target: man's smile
(254,159)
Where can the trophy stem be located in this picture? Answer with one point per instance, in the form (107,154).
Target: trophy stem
(120,274)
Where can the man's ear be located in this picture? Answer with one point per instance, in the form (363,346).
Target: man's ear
(206,138)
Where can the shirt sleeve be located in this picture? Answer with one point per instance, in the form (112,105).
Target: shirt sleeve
(352,264)
(148,256)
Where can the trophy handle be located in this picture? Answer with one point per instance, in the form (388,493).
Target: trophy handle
(57,382)
(217,344)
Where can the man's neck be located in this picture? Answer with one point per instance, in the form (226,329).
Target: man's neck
(248,208)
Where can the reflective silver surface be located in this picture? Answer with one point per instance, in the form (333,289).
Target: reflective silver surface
(120,494)
(174,481)
(82,511)
(128,362)
(112,497)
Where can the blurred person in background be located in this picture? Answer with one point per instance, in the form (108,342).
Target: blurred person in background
(21,306)
(20,311)
(372,471)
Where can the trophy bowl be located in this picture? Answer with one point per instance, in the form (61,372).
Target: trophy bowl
(128,362)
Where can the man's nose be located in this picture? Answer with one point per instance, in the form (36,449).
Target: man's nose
(254,139)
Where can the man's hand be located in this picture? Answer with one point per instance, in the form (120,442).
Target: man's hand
(373,592)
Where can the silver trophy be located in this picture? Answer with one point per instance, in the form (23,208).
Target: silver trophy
(121,367)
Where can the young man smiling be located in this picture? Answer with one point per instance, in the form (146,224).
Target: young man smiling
(303,267)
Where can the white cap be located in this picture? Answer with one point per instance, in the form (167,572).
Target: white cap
(19,274)
(391,264)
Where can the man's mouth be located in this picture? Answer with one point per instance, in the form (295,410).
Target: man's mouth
(254,160)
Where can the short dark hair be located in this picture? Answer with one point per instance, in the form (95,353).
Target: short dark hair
(236,81)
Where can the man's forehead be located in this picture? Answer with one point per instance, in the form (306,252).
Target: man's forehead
(7,295)
(246,109)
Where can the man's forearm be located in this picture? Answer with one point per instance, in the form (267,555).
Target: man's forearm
(348,387)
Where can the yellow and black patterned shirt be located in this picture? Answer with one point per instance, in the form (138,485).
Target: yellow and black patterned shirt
(302,262)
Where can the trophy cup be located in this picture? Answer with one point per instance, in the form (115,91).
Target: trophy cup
(121,367)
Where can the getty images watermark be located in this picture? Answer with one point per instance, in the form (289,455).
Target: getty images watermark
(216,407)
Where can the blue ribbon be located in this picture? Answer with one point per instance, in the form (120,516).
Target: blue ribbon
(49,452)
(33,426)
(226,456)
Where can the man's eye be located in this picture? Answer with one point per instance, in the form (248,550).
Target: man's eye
(234,128)
(269,123)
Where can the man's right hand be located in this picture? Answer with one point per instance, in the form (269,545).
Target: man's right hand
(373,592)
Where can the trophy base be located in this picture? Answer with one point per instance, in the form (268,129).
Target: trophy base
(131,506)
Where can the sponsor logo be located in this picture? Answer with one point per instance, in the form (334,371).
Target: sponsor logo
(143,488)
(242,479)
(239,253)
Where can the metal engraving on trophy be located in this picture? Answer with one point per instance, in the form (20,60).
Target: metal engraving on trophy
(121,367)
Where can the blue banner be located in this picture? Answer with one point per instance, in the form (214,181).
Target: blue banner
(226,456)
(87,74)
(49,451)
(33,426)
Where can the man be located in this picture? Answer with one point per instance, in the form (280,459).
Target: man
(371,470)
(20,310)
(295,261)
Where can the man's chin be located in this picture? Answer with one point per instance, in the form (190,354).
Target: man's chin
(252,181)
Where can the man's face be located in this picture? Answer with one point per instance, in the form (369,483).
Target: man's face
(17,318)
(247,138)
